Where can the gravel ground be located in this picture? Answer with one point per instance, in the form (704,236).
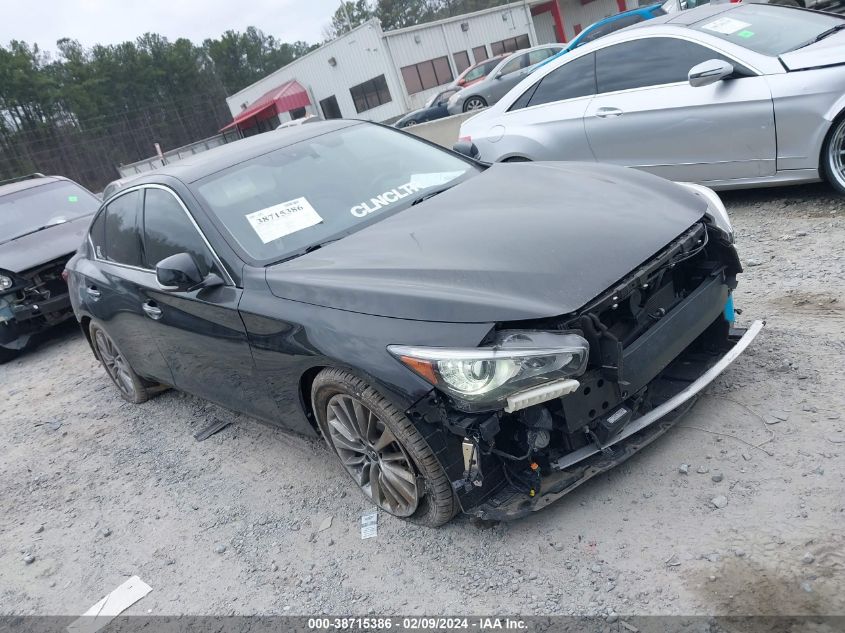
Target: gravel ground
(256,521)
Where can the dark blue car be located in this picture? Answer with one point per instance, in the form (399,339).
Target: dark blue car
(434,108)
(609,25)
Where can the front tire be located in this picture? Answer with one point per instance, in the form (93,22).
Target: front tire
(7,355)
(410,123)
(833,156)
(474,103)
(130,385)
(381,449)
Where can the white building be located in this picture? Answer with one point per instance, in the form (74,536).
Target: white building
(378,75)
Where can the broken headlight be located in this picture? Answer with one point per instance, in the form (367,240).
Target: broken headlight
(716,208)
(482,378)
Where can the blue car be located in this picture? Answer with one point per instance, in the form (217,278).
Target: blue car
(434,108)
(609,25)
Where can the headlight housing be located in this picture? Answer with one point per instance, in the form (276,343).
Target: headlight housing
(482,378)
(6,283)
(716,211)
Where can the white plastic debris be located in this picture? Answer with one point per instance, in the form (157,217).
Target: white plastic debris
(112,605)
(369,525)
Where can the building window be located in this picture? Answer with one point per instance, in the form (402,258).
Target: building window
(479,53)
(428,74)
(370,94)
(510,45)
(461,61)
(330,108)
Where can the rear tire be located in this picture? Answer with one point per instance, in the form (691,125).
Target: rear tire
(381,449)
(833,155)
(7,355)
(410,123)
(130,385)
(474,103)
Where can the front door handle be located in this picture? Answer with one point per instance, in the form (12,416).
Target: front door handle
(151,310)
(93,292)
(605,113)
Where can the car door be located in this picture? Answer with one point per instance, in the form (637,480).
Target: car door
(113,284)
(546,122)
(647,115)
(199,332)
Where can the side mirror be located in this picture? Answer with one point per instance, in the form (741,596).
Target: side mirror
(467,148)
(709,72)
(179,273)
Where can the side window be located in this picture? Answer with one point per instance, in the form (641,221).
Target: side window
(168,230)
(122,237)
(515,64)
(651,61)
(574,79)
(98,235)
(535,57)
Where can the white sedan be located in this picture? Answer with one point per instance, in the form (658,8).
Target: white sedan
(728,96)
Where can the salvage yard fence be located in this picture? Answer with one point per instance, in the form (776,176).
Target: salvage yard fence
(89,151)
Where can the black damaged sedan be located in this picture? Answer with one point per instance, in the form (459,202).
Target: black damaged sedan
(463,336)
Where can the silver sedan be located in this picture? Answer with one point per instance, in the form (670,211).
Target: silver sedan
(729,96)
(501,79)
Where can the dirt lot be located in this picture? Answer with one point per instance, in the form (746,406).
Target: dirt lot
(97,490)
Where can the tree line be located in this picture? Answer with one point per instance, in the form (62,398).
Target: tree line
(79,112)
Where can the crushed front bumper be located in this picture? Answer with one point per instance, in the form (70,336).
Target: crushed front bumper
(573,469)
(18,322)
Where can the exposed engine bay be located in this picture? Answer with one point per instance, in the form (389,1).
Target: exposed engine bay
(650,337)
(37,300)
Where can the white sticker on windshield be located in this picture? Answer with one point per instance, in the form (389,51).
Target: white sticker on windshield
(434,179)
(283,219)
(726,26)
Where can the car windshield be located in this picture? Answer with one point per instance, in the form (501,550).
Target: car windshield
(767,29)
(52,203)
(293,199)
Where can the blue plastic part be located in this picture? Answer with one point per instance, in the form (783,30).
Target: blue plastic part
(729,309)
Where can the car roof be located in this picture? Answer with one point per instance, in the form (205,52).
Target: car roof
(209,162)
(28,183)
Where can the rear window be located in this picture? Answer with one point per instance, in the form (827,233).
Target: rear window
(767,29)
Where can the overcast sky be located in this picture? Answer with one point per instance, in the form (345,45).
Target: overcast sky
(111,21)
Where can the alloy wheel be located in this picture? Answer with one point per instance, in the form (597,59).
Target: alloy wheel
(836,149)
(474,103)
(373,456)
(115,363)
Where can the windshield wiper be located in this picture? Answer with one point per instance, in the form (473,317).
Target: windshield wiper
(309,249)
(822,35)
(430,194)
(40,228)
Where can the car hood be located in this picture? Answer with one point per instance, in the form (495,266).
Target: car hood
(518,241)
(38,248)
(829,52)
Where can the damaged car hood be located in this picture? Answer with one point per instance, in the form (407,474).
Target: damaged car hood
(518,241)
(28,251)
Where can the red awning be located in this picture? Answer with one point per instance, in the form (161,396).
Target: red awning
(288,96)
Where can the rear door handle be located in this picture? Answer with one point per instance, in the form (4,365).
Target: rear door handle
(151,310)
(93,292)
(605,113)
